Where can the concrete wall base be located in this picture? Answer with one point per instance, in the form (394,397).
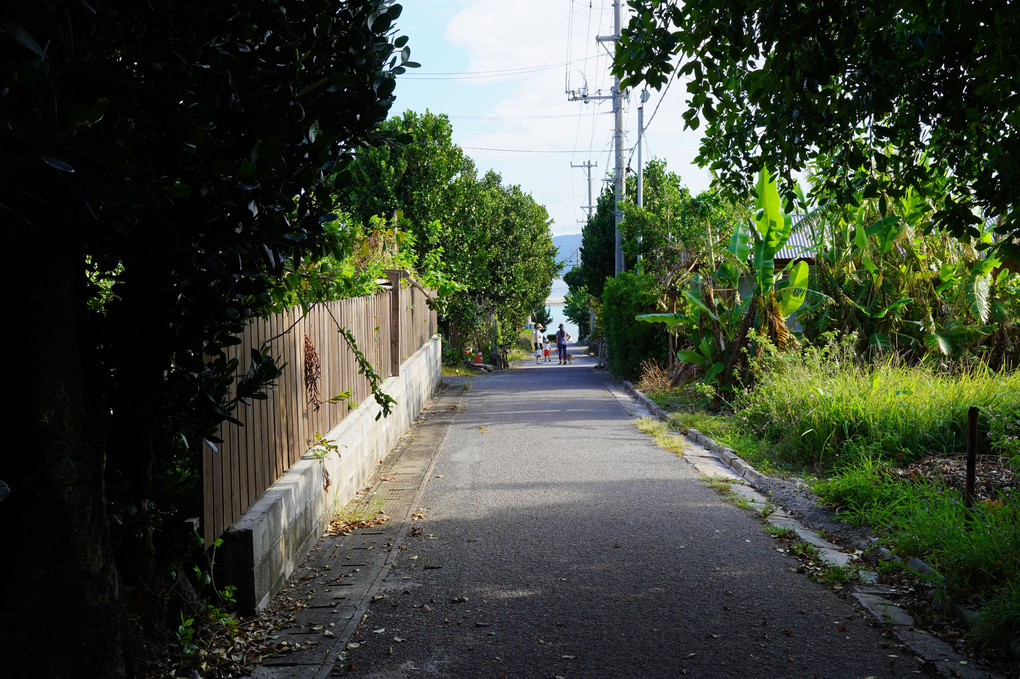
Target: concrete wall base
(262,549)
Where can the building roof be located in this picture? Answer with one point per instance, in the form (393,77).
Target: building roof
(800,245)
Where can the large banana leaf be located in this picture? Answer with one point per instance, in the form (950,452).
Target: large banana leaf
(701,356)
(689,356)
(713,372)
(668,319)
(773,226)
(738,244)
(696,301)
(977,296)
(793,295)
(886,231)
(880,313)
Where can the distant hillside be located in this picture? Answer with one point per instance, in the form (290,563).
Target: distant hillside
(568,247)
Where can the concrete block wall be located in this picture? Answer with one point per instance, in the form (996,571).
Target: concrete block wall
(264,546)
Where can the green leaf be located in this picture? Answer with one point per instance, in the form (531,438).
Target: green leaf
(881,313)
(869,264)
(939,343)
(18,32)
(861,239)
(669,319)
(179,190)
(738,244)
(312,86)
(81,116)
(793,295)
(886,231)
(700,305)
(977,296)
(713,372)
(57,164)
(689,356)
(772,222)
(728,275)
(773,227)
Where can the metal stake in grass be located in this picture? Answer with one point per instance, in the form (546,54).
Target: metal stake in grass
(968,490)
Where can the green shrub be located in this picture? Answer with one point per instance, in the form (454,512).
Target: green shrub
(631,342)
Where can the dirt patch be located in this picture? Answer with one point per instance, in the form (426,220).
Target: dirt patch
(994,475)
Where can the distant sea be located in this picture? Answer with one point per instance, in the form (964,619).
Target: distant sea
(567,249)
(559,291)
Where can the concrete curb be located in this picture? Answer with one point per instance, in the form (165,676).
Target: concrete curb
(265,546)
(937,653)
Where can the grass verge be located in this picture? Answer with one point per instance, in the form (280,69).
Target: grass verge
(862,434)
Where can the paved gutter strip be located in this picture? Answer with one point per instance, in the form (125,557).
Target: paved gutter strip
(872,597)
(343,573)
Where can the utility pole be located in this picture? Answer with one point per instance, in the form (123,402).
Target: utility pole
(640,163)
(588,165)
(617,97)
(618,118)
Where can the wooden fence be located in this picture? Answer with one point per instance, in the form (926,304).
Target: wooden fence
(388,327)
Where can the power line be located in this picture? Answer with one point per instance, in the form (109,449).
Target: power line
(662,98)
(470,75)
(486,148)
(521,117)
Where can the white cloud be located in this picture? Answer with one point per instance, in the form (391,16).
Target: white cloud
(529,111)
(501,35)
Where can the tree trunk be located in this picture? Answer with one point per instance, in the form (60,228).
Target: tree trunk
(735,360)
(62,615)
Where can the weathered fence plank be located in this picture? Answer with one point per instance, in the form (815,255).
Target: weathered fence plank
(277,432)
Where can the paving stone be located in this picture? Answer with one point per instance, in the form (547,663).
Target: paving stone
(341,573)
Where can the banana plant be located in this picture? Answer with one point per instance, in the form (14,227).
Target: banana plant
(718,329)
(776,299)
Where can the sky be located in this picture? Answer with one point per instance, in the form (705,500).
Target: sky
(500,70)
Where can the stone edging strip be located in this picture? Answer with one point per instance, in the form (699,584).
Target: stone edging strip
(937,653)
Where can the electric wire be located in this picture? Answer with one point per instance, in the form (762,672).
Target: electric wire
(510,117)
(499,150)
(473,75)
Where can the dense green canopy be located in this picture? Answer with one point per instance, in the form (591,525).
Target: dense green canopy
(159,165)
(894,94)
(490,238)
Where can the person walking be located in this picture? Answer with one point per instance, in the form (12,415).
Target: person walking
(536,337)
(562,337)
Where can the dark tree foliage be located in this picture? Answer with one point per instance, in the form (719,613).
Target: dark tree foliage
(631,342)
(597,248)
(896,94)
(492,239)
(542,316)
(176,153)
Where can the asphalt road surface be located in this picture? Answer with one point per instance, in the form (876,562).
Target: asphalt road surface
(559,541)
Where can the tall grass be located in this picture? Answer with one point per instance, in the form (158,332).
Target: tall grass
(821,409)
(975,553)
(851,423)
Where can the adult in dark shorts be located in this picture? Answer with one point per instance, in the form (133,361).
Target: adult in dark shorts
(561,344)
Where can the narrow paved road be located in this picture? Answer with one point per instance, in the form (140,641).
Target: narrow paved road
(559,541)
